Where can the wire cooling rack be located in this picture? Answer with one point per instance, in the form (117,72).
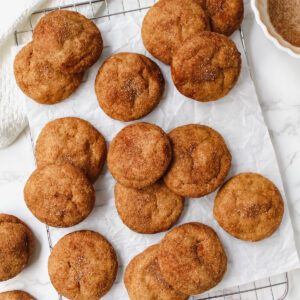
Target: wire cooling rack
(271,288)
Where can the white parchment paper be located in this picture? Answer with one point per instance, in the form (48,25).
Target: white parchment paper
(237,117)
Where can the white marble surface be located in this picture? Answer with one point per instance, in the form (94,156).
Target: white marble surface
(277,80)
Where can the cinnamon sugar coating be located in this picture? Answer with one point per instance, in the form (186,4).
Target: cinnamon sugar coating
(191,258)
(143,278)
(149,210)
(201,161)
(67,40)
(206,66)
(249,207)
(168,23)
(16,246)
(74,141)
(225,15)
(83,265)
(139,155)
(16,295)
(129,86)
(39,81)
(59,195)
(284,16)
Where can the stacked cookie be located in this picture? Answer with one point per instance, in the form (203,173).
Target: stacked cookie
(201,161)
(138,157)
(154,171)
(189,260)
(70,154)
(51,67)
(192,161)
(205,65)
(170,22)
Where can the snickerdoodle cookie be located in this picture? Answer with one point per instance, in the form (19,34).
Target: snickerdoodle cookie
(68,40)
(225,15)
(39,81)
(59,195)
(201,161)
(143,279)
(168,23)
(129,86)
(206,66)
(192,259)
(149,210)
(139,155)
(83,265)
(16,246)
(15,295)
(249,207)
(74,141)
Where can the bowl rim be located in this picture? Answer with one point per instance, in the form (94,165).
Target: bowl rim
(267,33)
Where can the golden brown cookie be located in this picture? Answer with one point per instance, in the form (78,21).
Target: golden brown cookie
(83,265)
(68,40)
(16,246)
(225,15)
(15,295)
(201,161)
(39,81)
(139,155)
(206,66)
(143,279)
(168,23)
(59,195)
(129,86)
(74,141)
(149,210)
(192,259)
(249,207)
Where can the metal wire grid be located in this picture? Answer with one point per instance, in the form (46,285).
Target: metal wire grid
(276,287)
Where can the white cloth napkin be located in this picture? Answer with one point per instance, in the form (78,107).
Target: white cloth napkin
(12,116)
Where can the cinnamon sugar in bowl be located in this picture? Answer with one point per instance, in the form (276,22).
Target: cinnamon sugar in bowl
(280,22)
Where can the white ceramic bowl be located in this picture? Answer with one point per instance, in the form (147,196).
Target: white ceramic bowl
(260,8)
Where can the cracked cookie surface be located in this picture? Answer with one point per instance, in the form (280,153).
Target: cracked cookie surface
(143,278)
(16,246)
(59,195)
(139,155)
(206,66)
(149,210)
(201,161)
(73,141)
(168,23)
(16,295)
(83,265)
(225,15)
(39,81)
(129,86)
(249,207)
(68,40)
(191,258)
